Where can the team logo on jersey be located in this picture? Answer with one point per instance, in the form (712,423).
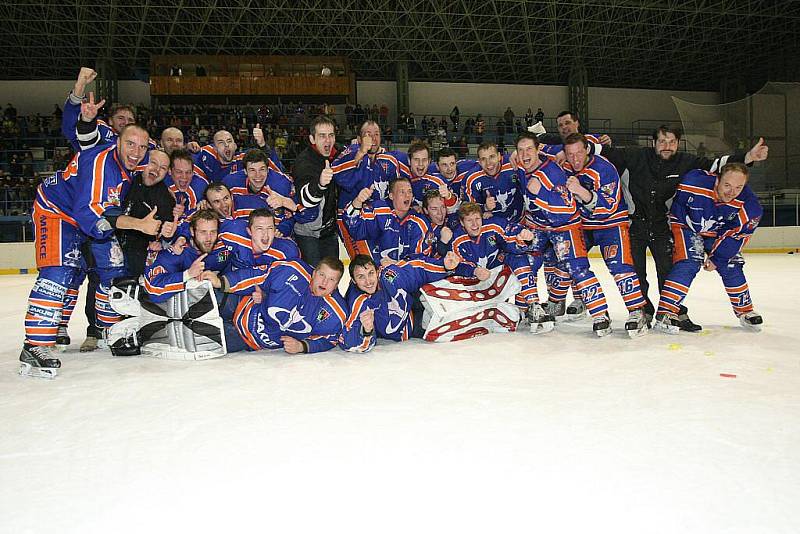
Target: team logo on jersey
(113,196)
(289,320)
(222,255)
(608,189)
(562,248)
(398,311)
(385,166)
(323,315)
(390,274)
(151,257)
(752,223)
(492,240)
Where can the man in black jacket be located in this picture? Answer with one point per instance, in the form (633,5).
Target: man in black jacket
(313,181)
(653,177)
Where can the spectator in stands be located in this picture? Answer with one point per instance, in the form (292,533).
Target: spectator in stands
(455,118)
(508,119)
(539,117)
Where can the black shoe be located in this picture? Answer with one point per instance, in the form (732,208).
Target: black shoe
(686,324)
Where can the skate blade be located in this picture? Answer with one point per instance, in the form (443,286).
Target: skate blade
(751,327)
(26,369)
(637,332)
(61,348)
(671,330)
(542,328)
(604,332)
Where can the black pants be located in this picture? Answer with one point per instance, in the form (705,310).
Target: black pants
(313,249)
(661,247)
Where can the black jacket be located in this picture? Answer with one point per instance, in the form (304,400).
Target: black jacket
(652,180)
(307,168)
(139,201)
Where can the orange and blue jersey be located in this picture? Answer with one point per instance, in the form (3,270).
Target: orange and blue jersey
(234,249)
(353,176)
(505,187)
(191,196)
(488,249)
(388,235)
(730,224)
(607,207)
(94,184)
(288,308)
(208,166)
(164,275)
(554,206)
(391,303)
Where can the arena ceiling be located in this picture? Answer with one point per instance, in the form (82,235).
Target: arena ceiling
(667,44)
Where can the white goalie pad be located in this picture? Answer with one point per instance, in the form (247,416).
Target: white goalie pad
(458,293)
(473,322)
(185,327)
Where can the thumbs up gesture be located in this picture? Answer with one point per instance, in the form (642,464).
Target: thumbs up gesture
(168,228)
(326,175)
(491,203)
(759,152)
(150,225)
(258,136)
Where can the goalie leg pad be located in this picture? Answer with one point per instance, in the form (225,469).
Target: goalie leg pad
(457,293)
(466,324)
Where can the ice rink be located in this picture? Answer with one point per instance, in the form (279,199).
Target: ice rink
(506,433)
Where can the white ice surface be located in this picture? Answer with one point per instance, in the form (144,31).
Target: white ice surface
(505,433)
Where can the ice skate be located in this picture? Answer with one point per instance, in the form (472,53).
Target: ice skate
(751,321)
(539,321)
(556,309)
(37,361)
(686,324)
(62,339)
(666,323)
(636,325)
(602,325)
(575,311)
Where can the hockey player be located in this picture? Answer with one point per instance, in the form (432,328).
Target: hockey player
(214,162)
(219,199)
(495,186)
(568,124)
(250,242)
(552,214)
(392,229)
(361,165)
(187,187)
(654,173)
(83,201)
(712,218)
(293,307)
(167,272)
(419,158)
(260,185)
(482,244)
(380,299)
(595,184)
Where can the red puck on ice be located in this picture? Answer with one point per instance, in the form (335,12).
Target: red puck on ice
(727,375)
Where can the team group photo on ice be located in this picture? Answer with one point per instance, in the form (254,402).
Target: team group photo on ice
(188,251)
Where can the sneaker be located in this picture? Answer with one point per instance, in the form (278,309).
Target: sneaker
(601,325)
(576,310)
(62,339)
(539,320)
(38,361)
(636,325)
(751,321)
(686,324)
(666,323)
(89,344)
